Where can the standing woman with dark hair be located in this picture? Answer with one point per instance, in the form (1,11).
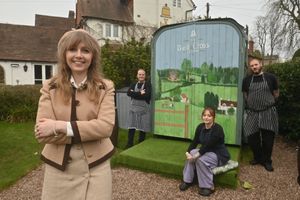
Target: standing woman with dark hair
(75,118)
(212,153)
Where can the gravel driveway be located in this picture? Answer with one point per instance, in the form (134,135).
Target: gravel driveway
(131,184)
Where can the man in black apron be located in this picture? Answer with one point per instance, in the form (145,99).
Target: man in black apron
(139,117)
(261,122)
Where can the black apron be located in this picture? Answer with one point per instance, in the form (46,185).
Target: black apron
(261,112)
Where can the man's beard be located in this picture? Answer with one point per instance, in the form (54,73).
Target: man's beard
(257,72)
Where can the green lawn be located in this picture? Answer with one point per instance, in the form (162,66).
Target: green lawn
(19,152)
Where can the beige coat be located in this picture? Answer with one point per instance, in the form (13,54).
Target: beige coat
(92,126)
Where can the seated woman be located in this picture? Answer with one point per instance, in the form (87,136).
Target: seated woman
(212,153)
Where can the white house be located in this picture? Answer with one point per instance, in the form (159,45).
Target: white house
(120,20)
(28,53)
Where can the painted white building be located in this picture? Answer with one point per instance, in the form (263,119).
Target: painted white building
(28,53)
(120,20)
(162,12)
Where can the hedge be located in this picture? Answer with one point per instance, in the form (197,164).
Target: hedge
(288,104)
(19,103)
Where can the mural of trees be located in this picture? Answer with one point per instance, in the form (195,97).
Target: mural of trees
(211,100)
(186,67)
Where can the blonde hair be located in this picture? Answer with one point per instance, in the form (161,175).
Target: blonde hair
(61,81)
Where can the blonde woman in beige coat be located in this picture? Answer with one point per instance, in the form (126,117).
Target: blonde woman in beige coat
(75,118)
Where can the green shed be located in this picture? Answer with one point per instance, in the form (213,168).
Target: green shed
(195,65)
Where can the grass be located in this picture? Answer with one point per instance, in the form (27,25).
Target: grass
(166,157)
(19,152)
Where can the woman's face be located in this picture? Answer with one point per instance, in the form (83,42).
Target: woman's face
(79,59)
(207,117)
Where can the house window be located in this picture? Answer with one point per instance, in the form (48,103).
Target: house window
(38,76)
(49,71)
(174,3)
(116,30)
(108,30)
(42,73)
(2,75)
(177,3)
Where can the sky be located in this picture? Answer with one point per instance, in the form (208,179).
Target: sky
(23,11)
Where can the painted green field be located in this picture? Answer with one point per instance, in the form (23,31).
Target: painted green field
(181,119)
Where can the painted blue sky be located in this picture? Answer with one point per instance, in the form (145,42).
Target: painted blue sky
(217,43)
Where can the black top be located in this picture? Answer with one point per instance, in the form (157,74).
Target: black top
(211,140)
(137,95)
(270,78)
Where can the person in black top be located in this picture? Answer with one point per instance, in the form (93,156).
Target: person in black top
(139,112)
(212,153)
(260,91)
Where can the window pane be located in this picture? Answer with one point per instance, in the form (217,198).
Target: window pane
(37,71)
(49,71)
(174,3)
(107,30)
(116,30)
(179,3)
(38,82)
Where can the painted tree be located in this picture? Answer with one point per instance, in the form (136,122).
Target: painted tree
(186,67)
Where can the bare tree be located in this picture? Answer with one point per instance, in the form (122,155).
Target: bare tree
(260,34)
(275,33)
(286,18)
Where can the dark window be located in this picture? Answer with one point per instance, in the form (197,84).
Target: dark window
(1,75)
(38,77)
(49,71)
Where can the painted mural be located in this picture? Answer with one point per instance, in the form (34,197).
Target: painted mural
(196,65)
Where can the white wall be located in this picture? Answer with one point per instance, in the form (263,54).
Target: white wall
(97,28)
(148,13)
(14,73)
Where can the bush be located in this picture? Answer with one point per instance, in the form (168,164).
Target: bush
(121,65)
(288,103)
(19,103)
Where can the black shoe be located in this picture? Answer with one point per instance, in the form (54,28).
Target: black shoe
(254,162)
(184,186)
(269,167)
(205,192)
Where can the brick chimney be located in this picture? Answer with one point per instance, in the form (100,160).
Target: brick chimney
(250,46)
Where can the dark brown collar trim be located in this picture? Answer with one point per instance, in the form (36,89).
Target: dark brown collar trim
(101,160)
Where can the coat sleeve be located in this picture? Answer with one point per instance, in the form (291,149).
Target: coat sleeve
(45,110)
(195,141)
(102,126)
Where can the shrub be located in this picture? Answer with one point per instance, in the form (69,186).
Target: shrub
(19,103)
(288,103)
(121,65)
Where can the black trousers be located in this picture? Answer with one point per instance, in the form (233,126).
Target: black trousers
(261,144)
(131,132)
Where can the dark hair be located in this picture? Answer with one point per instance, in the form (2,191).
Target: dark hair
(210,110)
